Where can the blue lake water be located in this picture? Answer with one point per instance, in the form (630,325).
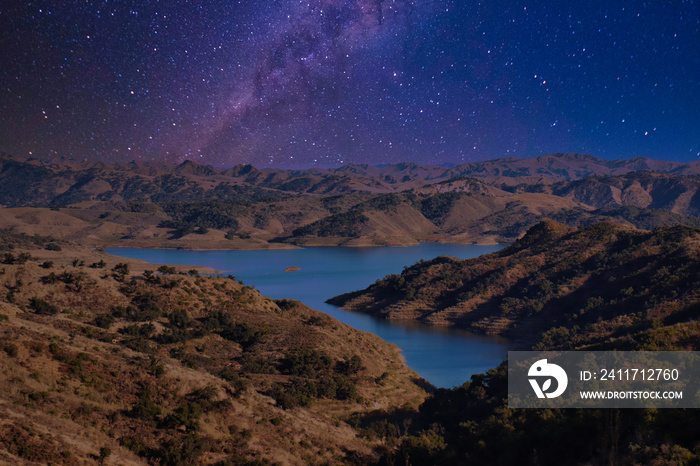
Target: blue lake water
(445,357)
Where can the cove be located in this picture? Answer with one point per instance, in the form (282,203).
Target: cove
(445,357)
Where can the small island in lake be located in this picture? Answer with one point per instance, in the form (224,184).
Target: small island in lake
(292,268)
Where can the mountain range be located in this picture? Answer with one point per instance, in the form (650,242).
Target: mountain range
(64,181)
(200,206)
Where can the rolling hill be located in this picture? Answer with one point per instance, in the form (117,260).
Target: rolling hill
(604,285)
(601,287)
(104,357)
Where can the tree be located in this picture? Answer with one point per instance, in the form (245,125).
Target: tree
(121,270)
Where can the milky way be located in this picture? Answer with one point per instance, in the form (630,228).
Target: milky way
(328,82)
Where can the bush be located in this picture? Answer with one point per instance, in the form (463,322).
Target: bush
(182,452)
(42,307)
(50,279)
(350,366)
(144,307)
(288,397)
(144,408)
(166,270)
(52,247)
(186,415)
(179,319)
(307,363)
(103,320)
(11,349)
(121,268)
(237,383)
(145,330)
(105,453)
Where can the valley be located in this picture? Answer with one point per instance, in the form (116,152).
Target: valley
(120,360)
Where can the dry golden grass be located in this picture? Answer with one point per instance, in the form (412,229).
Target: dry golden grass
(69,387)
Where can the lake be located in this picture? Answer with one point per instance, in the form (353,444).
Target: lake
(445,357)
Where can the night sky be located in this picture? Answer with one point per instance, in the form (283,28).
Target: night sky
(328,82)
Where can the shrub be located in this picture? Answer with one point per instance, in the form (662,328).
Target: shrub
(144,308)
(105,452)
(42,307)
(181,452)
(145,330)
(103,320)
(186,415)
(144,408)
(309,363)
(288,397)
(166,270)
(179,319)
(50,279)
(121,270)
(11,349)
(237,383)
(350,366)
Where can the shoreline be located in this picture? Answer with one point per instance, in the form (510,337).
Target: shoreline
(340,243)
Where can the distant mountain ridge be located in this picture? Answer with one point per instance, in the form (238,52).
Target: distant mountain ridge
(194,205)
(26,182)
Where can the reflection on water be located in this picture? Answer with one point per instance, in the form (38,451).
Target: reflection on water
(445,357)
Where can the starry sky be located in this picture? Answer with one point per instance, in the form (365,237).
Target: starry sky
(297,84)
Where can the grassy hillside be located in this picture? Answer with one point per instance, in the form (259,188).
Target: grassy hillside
(135,364)
(110,358)
(351,220)
(645,189)
(603,285)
